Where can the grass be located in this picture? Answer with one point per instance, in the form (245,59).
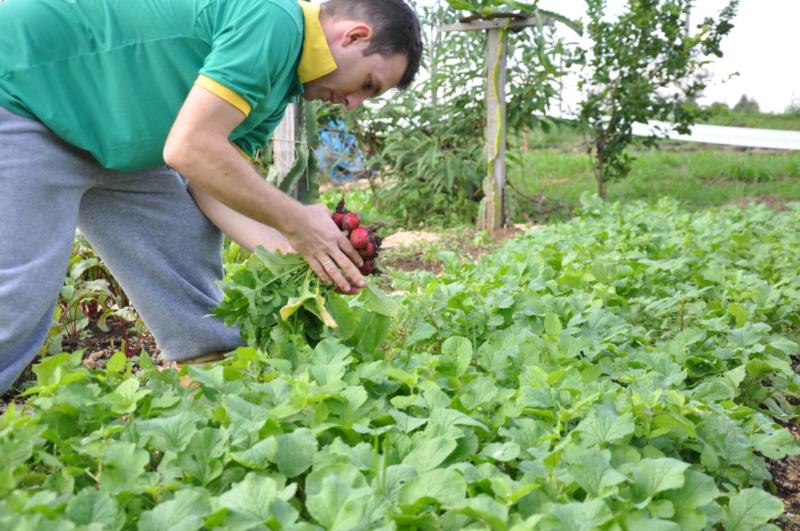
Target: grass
(788,122)
(548,180)
(695,178)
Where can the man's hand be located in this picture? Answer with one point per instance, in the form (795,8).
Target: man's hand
(198,148)
(330,254)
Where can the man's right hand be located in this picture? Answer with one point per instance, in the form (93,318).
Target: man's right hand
(198,147)
(328,251)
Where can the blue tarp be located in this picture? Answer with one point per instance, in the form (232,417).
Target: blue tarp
(338,154)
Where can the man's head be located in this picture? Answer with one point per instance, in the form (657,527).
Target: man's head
(376,45)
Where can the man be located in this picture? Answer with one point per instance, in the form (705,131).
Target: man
(98,97)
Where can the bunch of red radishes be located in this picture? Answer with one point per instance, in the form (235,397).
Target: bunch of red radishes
(364,239)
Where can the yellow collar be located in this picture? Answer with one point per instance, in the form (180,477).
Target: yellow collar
(317,59)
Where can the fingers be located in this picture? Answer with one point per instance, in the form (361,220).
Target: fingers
(319,270)
(350,251)
(334,273)
(330,272)
(350,269)
(328,251)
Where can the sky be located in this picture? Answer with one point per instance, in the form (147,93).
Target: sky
(760,54)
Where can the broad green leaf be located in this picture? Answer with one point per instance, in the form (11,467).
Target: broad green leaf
(785,345)
(169,434)
(185,512)
(739,312)
(91,506)
(296,452)
(446,487)
(457,352)
(377,301)
(201,458)
(405,422)
(749,509)
(592,470)
(578,516)
(258,456)
(777,444)
(651,476)
(430,453)
(117,362)
(123,464)
(335,496)
(245,416)
(603,425)
(251,499)
(421,332)
(484,509)
(638,520)
(126,396)
(502,452)
(552,324)
(60,369)
(698,490)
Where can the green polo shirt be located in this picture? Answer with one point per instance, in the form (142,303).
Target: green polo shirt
(109,76)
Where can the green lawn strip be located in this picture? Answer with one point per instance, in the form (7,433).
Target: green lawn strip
(696,178)
(621,370)
(786,122)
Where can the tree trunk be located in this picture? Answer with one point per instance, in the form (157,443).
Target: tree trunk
(600,175)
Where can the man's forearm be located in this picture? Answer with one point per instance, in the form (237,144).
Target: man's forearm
(219,170)
(198,147)
(245,231)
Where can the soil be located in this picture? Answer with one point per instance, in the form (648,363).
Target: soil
(774,203)
(98,346)
(408,250)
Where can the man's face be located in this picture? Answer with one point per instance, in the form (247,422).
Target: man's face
(357,77)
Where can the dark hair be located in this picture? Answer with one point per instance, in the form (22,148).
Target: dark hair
(395,29)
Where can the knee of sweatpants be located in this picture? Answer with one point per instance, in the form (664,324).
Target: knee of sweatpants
(21,320)
(20,341)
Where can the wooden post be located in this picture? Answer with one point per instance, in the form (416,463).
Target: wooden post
(284,142)
(493,217)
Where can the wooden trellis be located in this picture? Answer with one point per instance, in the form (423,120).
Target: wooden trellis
(493,214)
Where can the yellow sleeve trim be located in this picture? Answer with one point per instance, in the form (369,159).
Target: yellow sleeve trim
(242,152)
(225,93)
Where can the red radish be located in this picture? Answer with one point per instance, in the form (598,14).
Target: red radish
(359,238)
(337,218)
(350,221)
(368,251)
(368,267)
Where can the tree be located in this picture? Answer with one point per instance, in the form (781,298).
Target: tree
(746,105)
(642,66)
(429,142)
(794,107)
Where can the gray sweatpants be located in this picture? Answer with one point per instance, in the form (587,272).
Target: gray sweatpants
(144,225)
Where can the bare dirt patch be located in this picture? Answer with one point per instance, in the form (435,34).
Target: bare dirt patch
(773,202)
(98,346)
(416,250)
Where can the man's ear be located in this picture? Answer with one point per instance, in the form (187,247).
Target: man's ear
(359,32)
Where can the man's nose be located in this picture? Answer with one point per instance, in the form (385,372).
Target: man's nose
(351,101)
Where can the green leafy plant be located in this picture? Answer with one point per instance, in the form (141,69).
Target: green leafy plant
(426,146)
(272,296)
(90,297)
(625,369)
